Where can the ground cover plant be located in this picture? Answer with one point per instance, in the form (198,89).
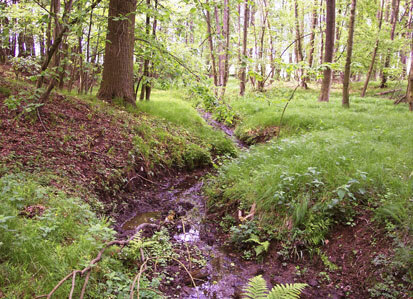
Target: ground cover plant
(328,167)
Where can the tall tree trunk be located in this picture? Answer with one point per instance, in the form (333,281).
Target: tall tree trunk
(394,21)
(328,57)
(314,19)
(117,79)
(243,78)
(220,47)
(211,46)
(376,47)
(226,34)
(150,67)
(410,86)
(347,70)
(146,61)
(299,46)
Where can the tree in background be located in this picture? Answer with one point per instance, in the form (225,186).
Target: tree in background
(347,70)
(329,50)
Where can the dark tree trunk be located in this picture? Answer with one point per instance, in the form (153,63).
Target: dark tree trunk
(347,70)
(243,76)
(328,57)
(117,79)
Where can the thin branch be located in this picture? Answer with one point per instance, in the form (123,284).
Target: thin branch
(285,108)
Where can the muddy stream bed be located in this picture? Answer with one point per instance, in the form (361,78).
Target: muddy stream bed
(224,274)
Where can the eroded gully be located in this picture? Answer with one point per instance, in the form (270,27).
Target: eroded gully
(224,274)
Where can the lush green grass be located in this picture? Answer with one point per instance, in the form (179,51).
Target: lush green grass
(36,251)
(168,130)
(328,164)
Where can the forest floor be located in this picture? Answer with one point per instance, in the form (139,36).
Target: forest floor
(154,164)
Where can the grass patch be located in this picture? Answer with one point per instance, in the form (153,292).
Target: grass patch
(44,235)
(328,164)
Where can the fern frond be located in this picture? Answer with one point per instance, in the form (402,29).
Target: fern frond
(287,291)
(255,289)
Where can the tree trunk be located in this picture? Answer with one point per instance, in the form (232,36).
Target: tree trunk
(299,46)
(410,87)
(312,36)
(328,57)
(117,79)
(220,47)
(376,47)
(243,76)
(347,70)
(394,21)
(146,61)
(226,34)
(211,46)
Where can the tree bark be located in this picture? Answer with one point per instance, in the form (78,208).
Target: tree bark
(329,51)
(347,70)
(244,50)
(117,79)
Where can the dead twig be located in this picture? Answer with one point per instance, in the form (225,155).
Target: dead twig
(141,177)
(87,269)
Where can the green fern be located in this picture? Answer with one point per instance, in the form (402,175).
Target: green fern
(257,289)
(287,291)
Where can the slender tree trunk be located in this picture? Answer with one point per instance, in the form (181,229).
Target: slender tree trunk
(243,78)
(211,46)
(347,70)
(410,86)
(394,21)
(376,47)
(150,67)
(146,61)
(220,47)
(299,46)
(314,19)
(328,58)
(226,34)
(117,79)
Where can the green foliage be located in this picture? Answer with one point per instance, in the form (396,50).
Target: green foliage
(328,165)
(43,232)
(257,289)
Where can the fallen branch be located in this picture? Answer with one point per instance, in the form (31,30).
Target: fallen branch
(387,92)
(401,100)
(139,176)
